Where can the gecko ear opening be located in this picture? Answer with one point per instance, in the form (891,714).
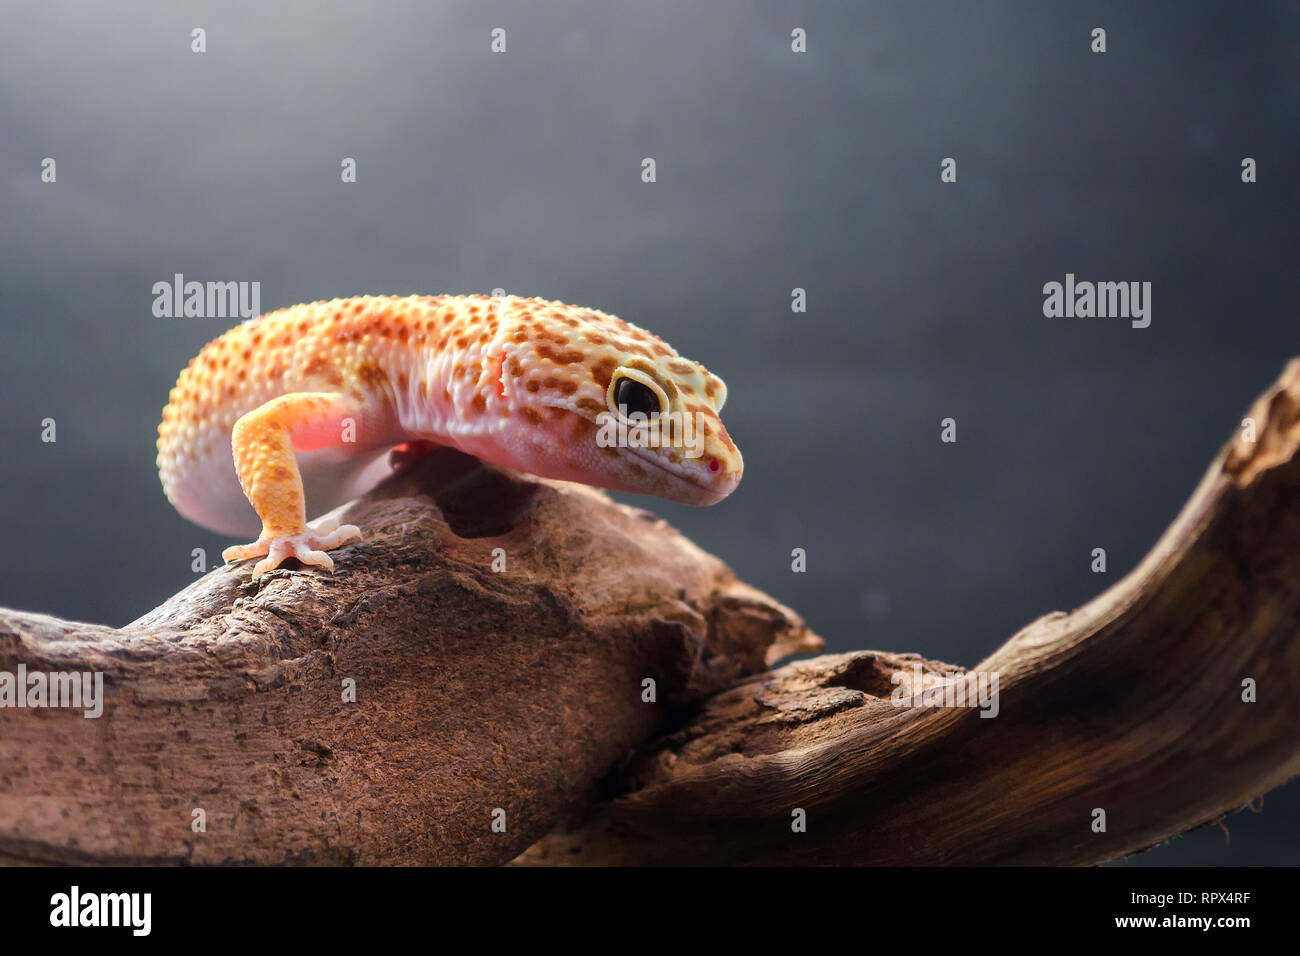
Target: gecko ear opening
(633,390)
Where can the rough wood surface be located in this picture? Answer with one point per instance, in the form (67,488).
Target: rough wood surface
(1132,704)
(475,690)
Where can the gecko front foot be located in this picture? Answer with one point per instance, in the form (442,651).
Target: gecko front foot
(309,547)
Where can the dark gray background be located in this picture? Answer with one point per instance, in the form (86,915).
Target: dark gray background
(776,170)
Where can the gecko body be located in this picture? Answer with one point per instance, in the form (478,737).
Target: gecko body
(301,407)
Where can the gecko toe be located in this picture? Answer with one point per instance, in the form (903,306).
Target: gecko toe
(338,536)
(323,526)
(242,552)
(318,558)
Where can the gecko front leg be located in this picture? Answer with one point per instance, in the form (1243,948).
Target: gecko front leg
(263,442)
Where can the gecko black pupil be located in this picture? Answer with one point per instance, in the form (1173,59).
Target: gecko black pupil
(635,397)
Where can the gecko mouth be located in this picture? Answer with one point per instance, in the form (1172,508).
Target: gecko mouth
(689,490)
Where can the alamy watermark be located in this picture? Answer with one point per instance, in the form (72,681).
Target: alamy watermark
(661,430)
(80,690)
(1102,300)
(971,689)
(206,300)
(130,910)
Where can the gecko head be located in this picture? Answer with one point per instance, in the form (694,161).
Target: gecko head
(613,406)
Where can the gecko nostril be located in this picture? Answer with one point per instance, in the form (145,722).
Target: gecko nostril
(714,465)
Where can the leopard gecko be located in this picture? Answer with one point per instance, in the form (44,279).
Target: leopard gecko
(302,405)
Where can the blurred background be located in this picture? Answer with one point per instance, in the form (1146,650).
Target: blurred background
(776,170)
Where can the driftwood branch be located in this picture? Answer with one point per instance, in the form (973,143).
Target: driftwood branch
(1132,704)
(523,691)
(477,690)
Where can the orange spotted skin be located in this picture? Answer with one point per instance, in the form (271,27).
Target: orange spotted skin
(300,407)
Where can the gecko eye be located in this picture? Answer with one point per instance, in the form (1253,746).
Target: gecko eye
(635,397)
(632,391)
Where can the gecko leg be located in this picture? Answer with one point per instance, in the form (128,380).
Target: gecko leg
(263,442)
